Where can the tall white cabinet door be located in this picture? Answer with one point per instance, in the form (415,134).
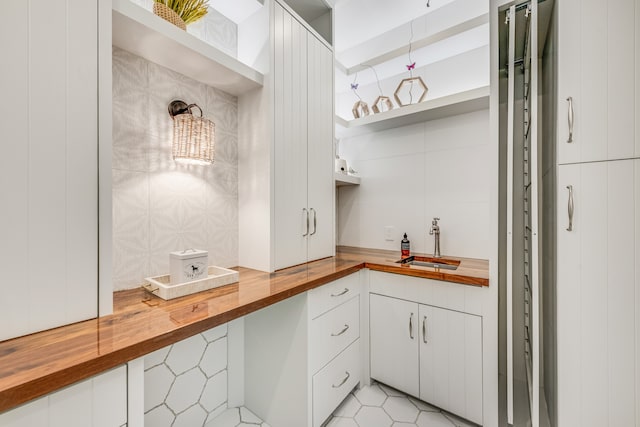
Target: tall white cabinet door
(598,69)
(596,293)
(291,215)
(451,361)
(48,168)
(320,145)
(394,335)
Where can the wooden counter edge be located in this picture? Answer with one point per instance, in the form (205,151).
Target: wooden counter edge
(39,386)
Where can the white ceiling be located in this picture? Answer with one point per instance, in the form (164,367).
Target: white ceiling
(357,21)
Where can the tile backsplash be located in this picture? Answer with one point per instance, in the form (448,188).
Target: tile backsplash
(160,206)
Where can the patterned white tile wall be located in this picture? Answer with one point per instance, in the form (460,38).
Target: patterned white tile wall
(214,28)
(185,384)
(160,206)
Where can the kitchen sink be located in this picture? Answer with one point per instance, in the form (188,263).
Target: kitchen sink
(421,261)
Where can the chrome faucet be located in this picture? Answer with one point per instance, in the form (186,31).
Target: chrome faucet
(435,231)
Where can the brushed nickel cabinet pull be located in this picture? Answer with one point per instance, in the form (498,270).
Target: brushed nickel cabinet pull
(341,293)
(570,207)
(315,222)
(570,119)
(346,327)
(424,329)
(411,326)
(304,210)
(343,381)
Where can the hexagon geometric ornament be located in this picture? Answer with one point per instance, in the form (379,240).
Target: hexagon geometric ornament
(381,104)
(404,95)
(360,109)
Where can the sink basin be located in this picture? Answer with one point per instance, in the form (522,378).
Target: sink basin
(420,261)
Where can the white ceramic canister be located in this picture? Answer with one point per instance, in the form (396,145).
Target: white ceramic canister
(188,265)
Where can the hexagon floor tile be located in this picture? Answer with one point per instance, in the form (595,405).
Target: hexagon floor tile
(391,409)
(380,405)
(237,417)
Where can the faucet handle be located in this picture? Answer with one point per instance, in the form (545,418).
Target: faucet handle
(435,221)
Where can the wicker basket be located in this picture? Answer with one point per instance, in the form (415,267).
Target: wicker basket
(166,13)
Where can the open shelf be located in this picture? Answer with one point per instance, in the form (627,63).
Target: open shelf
(342,179)
(438,108)
(142,33)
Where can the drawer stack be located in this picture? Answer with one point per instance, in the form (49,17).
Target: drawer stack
(334,344)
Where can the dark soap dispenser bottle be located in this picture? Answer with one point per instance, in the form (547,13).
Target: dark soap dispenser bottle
(405,247)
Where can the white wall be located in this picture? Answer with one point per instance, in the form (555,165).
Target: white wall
(160,206)
(411,174)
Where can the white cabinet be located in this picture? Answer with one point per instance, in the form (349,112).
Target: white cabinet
(97,402)
(285,150)
(597,293)
(598,69)
(451,361)
(428,352)
(303,355)
(303,132)
(394,343)
(48,168)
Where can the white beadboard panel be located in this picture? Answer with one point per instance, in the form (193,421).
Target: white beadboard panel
(414,173)
(50,174)
(637,107)
(621,260)
(159,205)
(74,400)
(594,98)
(569,297)
(100,401)
(621,52)
(593,289)
(34,413)
(637,264)
(47,183)
(14,166)
(81,160)
(109,393)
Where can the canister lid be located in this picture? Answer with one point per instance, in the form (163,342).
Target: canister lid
(188,254)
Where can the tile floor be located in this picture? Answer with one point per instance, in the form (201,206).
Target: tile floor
(236,417)
(382,406)
(371,406)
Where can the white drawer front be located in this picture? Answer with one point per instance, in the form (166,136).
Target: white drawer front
(324,298)
(334,331)
(334,382)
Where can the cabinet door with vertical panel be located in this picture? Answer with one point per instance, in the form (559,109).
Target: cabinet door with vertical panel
(393,328)
(320,149)
(48,168)
(596,291)
(100,401)
(451,361)
(598,68)
(291,214)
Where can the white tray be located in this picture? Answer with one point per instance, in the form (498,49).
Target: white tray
(161,287)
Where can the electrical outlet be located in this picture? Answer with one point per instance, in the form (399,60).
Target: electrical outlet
(389,232)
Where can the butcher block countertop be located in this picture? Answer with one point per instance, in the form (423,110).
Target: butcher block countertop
(40,363)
